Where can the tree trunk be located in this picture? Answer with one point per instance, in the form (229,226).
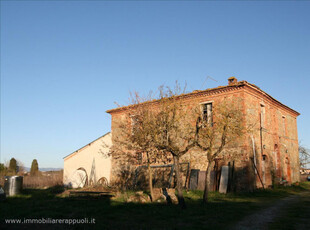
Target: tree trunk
(179,183)
(150,180)
(206,190)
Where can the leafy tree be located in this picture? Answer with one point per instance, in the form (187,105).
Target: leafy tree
(34,170)
(13,166)
(2,167)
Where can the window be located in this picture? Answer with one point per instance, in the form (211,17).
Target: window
(207,112)
(140,158)
(262,115)
(284,125)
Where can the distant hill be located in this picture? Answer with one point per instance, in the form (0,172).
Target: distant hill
(44,169)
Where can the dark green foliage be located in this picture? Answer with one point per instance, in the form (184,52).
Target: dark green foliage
(34,171)
(13,166)
(2,167)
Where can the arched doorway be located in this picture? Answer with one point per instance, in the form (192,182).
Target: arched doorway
(277,161)
(79,178)
(288,170)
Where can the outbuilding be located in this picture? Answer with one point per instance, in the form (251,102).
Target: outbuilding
(90,164)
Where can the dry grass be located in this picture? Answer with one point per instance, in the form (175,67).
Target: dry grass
(44,180)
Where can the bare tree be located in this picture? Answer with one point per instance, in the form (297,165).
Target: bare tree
(159,128)
(213,135)
(304,157)
(173,132)
(137,131)
(20,167)
(166,127)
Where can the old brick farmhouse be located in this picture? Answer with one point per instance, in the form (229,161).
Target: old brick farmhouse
(267,156)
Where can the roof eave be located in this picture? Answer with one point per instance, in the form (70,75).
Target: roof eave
(236,85)
(86,145)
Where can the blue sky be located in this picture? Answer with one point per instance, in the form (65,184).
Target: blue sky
(63,64)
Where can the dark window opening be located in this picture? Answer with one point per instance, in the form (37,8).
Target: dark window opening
(140,158)
(207,113)
(262,116)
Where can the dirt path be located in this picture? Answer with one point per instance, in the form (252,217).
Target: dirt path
(261,219)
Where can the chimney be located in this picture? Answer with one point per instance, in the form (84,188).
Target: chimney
(232,81)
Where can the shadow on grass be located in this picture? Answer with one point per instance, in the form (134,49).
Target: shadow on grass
(42,193)
(221,212)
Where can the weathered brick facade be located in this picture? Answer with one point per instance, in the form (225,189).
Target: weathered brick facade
(274,141)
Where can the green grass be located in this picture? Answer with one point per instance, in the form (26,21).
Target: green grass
(294,216)
(222,212)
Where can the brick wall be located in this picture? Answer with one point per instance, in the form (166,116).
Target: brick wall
(274,135)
